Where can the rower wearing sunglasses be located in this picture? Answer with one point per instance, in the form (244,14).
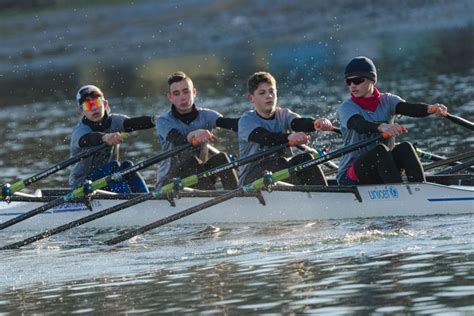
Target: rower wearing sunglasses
(98,125)
(369,112)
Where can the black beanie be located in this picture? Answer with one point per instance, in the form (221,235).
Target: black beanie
(361,66)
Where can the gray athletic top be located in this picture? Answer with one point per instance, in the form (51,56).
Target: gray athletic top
(81,170)
(206,119)
(250,120)
(385,113)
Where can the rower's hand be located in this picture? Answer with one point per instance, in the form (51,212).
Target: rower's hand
(112,138)
(323,124)
(438,109)
(202,136)
(392,129)
(299,138)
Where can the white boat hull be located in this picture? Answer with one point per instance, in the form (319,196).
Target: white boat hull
(414,199)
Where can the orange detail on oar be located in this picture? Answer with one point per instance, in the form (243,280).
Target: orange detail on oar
(387,135)
(292,143)
(435,110)
(195,142)
(334,129)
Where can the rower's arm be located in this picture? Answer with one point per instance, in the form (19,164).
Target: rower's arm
(412,109)
(138,123)
(263,137)
(91,139)
(361,125)
(228,123)
(303,124)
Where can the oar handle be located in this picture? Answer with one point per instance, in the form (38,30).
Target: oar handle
(454,118)
(334,129)
(337,130)
(460,121)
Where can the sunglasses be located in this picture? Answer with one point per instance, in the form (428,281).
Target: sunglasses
(89,105)
(356,81)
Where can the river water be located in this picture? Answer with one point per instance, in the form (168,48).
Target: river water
(409,265)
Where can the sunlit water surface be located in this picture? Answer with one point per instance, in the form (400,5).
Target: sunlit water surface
(422,265)
(411,265)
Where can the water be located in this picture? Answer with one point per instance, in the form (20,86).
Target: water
(409,265)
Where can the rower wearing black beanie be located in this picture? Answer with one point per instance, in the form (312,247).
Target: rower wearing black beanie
(370,112)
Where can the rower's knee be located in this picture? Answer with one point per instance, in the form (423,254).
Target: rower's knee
(381,150)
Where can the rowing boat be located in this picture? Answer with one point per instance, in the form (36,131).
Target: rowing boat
(283,203)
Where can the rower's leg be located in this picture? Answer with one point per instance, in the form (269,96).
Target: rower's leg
(229,178)
(406,158)
(106,170)
(310,176)
(270,164)
(192,165)
(135,181)
(377,166)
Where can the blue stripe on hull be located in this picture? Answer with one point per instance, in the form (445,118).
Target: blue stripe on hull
(452,199)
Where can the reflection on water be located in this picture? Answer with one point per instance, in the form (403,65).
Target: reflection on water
(411,265)
(346,267)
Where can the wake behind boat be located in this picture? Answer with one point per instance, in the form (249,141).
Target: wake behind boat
(450,195)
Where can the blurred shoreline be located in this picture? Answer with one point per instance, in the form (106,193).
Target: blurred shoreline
(48,52)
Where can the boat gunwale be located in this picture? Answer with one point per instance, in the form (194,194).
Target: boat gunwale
(193,193)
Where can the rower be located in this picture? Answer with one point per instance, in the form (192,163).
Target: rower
(187,123)
(98,125)
(269,125)
(370,112)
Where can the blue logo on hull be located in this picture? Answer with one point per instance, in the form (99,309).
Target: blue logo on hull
(386,193)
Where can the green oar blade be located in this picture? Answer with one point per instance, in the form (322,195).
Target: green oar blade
(98,184)
(21,184)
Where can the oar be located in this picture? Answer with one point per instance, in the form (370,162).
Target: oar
(460,167)
(337,130)
(427,155)
(97,184)
(456,119)
(460,121)
(9,189)
(449,160)
(191,180)
(252,187)
(318,153)
(433,157)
